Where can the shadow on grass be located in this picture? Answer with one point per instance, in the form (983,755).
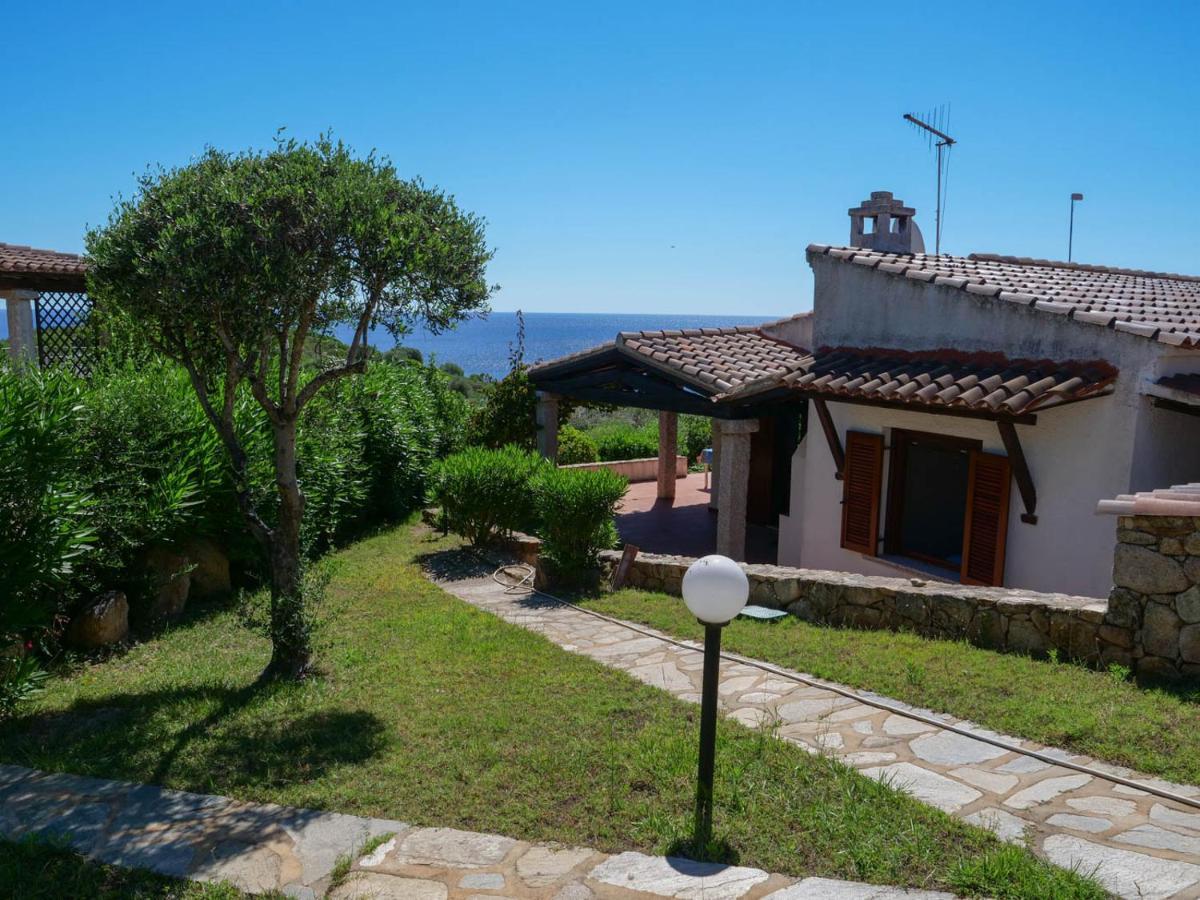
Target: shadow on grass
(202,738)
(685,857)
(461,562)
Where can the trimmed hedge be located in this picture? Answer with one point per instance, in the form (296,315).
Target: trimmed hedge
(484,494)
(575,509)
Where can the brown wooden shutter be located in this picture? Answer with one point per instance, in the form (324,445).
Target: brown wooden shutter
(861,478)
(986,528)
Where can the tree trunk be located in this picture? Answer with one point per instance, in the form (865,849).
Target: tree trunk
(291,646)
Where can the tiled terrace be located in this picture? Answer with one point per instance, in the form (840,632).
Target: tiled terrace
(684,526)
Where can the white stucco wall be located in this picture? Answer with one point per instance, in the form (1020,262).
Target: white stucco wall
(1077,455)
(1070,548)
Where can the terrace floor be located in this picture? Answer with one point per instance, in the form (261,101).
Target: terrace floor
(684,526)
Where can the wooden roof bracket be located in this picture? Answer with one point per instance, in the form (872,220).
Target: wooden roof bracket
(831,435)
(1020,470)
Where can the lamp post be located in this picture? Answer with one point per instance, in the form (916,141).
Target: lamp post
(1071,230)
(715,590)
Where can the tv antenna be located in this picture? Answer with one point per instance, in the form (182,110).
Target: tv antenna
(936,137)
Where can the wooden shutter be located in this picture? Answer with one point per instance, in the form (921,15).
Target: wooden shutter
(861,478)
(986,528)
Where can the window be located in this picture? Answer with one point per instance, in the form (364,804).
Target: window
(947,502)
(927,497)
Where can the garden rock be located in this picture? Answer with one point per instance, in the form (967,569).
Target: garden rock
(210,568)
(170,579)
(101,622)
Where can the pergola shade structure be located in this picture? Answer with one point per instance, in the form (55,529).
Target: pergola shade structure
(685,371)
(45,294)
(678,371)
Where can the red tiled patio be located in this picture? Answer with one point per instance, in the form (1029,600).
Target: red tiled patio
(683,526)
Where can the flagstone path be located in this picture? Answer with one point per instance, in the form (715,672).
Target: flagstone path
(1135,843)
(263,847)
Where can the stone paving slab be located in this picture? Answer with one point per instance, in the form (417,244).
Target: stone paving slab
(1136,844)
(265,847)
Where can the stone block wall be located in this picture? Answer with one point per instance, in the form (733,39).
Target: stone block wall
(1155,599)
(998,618)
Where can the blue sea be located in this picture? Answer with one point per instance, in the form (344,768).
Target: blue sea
(482,345)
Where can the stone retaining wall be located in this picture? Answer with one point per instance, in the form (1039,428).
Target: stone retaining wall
(1156,594)
(998,618)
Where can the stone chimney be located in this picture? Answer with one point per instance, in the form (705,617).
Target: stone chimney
(885,223)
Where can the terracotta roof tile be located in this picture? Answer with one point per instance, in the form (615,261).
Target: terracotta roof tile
(720,357)
(1178,500)
(948,378)
(713,359)
(1155,305)
(20,260)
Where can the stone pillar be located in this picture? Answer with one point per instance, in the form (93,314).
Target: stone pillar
(1153,618)
(735,478)
(22,338)
(668,431)
(547,425)
(715,466)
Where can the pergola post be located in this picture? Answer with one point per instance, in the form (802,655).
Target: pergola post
(668,429)
(22,337)
(715,467)
(547,425)
(733,485)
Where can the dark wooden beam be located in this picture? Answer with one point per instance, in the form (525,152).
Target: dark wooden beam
(1175,406)
(1020,469)
(831,435)
(1026,419)
(678,402)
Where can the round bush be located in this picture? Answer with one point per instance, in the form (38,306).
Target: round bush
(575,509)
(575,446)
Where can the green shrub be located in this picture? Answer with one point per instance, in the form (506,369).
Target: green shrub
(575,509)
(575,446)
(45,509)
(410,416)
(620,440)
(695,435)
(486,493)
(152,462)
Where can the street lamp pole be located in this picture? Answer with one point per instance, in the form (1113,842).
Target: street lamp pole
(708,735)
(1071,230)
(715,590)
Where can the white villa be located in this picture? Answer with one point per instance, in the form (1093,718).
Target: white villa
(945,417)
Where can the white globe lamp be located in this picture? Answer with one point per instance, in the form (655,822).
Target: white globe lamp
(715,589)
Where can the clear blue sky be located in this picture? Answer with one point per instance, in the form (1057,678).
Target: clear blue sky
(641,157)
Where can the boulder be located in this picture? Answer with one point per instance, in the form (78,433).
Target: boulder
(1147,572)
(210,568)
(1189,643)
(102,621)
(1160,631)
(1187,604)
(170,581)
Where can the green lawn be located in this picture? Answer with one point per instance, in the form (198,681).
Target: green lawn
(40,871)
(433,712)
(1153,729)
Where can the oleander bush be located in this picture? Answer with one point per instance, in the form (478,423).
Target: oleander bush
(575,510)
(46,509)
(575,446)
(485,494)
(93,472)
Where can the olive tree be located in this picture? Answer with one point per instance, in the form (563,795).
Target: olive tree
(233,262)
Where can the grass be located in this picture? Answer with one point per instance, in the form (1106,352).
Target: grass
(436,713)
(1154,729)
(39,871)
